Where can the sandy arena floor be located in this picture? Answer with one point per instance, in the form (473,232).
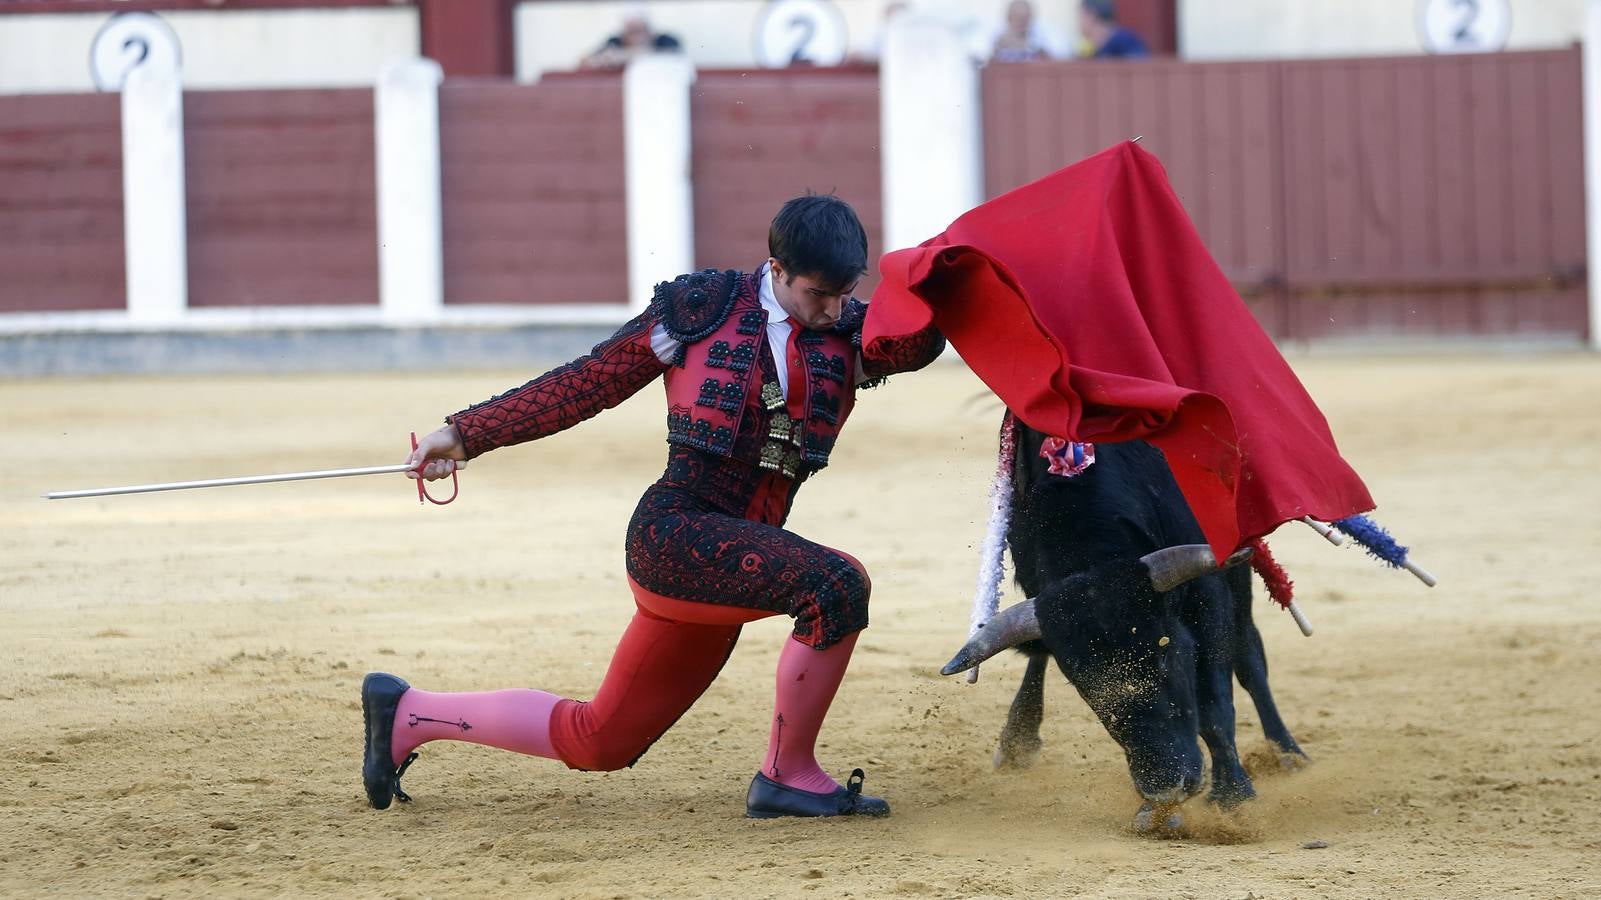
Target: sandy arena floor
(178,672)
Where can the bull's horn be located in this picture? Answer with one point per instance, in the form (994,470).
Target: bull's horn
(1172,566)
(1010,627)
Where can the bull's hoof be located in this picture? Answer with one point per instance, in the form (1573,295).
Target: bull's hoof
(1017,753)
(1158,820)
(1269,761)
(1230,796)
(1293,760)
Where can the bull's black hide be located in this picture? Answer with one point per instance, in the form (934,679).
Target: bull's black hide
(1156,668)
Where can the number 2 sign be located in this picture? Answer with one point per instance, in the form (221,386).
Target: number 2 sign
(127,40)
(1464,26)
(807,32)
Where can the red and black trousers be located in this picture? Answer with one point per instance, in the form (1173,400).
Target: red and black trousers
(705,554)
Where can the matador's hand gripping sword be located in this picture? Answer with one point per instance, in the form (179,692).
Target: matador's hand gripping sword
(422,489)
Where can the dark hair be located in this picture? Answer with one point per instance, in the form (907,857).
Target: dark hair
(819,235)
(1105,10)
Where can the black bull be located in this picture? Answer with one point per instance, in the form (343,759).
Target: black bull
(1154,661)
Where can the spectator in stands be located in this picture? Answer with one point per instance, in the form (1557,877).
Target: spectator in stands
(635,39)
(1023,39)
(1103,37)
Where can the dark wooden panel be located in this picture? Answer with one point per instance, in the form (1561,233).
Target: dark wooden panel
(1305,229)
(61,232)
(1532,311)
(1563,140)
(762,137)
(1447,86)
(1495,198)
(1431,171)
(1230,180)
(534,193)
(1393,195)
(1529,222)
(1259,258)
(281,198)
(1417,235)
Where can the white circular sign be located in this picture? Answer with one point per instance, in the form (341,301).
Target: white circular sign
(128,40)
(1464,26)
(791,32)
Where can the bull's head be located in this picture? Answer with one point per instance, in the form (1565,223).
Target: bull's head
(1133,662)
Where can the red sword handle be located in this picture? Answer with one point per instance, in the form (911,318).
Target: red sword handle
(422,485)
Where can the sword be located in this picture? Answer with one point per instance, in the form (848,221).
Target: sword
(422,490)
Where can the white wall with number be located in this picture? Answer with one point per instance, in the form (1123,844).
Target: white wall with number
(716,33)
(50,53)
(347,47)
(1276,29)
(554,36)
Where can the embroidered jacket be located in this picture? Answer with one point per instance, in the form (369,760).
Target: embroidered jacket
(717,378)
(719,324)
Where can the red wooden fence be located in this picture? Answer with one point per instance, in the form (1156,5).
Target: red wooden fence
(60,203)
(534,194)
(1415,195)
(281,198)
(1435,195)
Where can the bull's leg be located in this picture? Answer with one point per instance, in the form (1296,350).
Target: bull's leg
(1214,694)
(1251,668)
(1020,737)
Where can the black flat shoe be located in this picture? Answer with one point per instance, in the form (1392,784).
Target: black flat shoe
(767,799)
(380,695)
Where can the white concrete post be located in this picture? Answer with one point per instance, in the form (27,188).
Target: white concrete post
(661,193)
(931,146)
(155,229)
(1592,163)
(411,255)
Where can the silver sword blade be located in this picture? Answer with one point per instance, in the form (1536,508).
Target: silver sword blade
(226,482)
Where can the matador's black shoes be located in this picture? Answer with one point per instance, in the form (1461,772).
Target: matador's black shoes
(380,695)
(767,799)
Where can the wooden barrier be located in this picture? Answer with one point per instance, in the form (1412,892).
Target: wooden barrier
(61,203)
(281,198)
(533,190)
(1357,197)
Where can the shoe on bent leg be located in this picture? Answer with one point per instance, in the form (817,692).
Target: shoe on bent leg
(380,696)
(767,799)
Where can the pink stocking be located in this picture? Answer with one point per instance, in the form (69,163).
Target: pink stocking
(807,681)
(514,719)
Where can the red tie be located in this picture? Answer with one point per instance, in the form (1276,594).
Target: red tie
(796,398)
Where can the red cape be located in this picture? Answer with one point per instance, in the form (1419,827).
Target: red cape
(1088,303)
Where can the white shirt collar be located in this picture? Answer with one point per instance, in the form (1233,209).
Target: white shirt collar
(775,313)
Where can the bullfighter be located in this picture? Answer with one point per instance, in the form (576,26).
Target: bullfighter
(761,370)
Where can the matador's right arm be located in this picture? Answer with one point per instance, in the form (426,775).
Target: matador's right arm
(616,369)
(682,311)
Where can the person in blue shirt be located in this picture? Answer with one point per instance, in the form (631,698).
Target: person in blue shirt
(1105,39)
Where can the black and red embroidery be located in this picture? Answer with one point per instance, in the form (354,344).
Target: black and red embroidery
(695,305)
(888,356)
(615,370)
(680,546)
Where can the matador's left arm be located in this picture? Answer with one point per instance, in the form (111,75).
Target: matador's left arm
(888,356)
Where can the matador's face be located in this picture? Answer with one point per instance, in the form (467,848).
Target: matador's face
(807,299)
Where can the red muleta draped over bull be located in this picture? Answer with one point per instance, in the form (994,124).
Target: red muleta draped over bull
(1088,303)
